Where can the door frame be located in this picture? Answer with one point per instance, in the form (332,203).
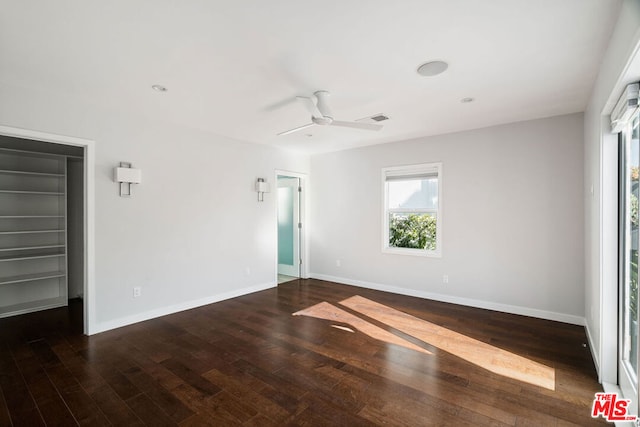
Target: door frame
(89,210)
(304,219)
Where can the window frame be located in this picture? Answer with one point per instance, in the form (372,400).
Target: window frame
(408,170)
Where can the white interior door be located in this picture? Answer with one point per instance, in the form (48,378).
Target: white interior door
(289,259)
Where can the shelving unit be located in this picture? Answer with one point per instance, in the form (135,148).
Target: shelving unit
(33,236)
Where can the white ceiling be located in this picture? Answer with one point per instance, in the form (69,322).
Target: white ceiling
(234,67)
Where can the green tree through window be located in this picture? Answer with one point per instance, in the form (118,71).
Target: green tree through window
(412,231)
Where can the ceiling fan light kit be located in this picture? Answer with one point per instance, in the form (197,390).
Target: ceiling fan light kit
(321,115)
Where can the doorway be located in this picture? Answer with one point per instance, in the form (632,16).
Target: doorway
(290,208)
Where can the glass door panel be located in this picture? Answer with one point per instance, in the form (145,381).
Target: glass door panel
(629,238)
(288,226)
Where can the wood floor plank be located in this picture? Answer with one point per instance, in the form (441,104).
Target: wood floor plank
(45,395)
(22,408)
(245,393)
(322,412)
(80,404)
(5,418)
(118,382)
(114,408)
(190,377)
(282,385)
(207,411)
(160,396)
(249,361)
(242,411)
(261,421)
(160,374)
(148,412)
(83,372)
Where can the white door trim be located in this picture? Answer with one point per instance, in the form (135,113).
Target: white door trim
(89,210)
(304,218)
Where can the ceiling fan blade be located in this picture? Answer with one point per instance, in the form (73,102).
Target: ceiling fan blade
(287,132)
(356,125)
(311,106)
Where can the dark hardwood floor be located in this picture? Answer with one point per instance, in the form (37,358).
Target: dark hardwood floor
(249,361)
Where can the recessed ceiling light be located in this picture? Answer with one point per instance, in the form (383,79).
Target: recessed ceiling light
(432,68)
(159,88)
(467,100)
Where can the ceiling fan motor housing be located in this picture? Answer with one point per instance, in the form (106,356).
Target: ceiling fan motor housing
(323,104)
(322,121)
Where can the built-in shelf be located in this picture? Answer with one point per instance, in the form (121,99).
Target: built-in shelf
(31,306)
(30,216)
(16,172)
(4,258)
(39,193)
(30,248)
(31,232)
(31,277)
(33,252)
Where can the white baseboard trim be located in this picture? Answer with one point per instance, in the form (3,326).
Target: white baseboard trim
(506,308)
(594,355)
(187,305)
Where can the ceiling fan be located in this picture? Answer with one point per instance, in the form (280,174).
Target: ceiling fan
(321,114)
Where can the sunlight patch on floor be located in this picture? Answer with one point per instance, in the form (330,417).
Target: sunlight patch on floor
(479,353)
(326,311)
(343,328)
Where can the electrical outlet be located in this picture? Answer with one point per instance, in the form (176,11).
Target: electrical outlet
(137,291)
(338,263)
(445,278)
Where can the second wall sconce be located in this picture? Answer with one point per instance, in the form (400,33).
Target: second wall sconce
(261,188)
(126,175)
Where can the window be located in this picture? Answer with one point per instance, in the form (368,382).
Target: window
(412,217)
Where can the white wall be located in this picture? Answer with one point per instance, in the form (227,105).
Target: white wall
(512,218)
(191,229)
(600,207)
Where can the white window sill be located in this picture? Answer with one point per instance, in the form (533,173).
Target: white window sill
(412,252)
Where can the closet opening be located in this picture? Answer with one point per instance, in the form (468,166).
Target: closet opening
(43,227)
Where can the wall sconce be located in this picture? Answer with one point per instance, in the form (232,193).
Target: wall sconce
(262,187)
(125,175)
